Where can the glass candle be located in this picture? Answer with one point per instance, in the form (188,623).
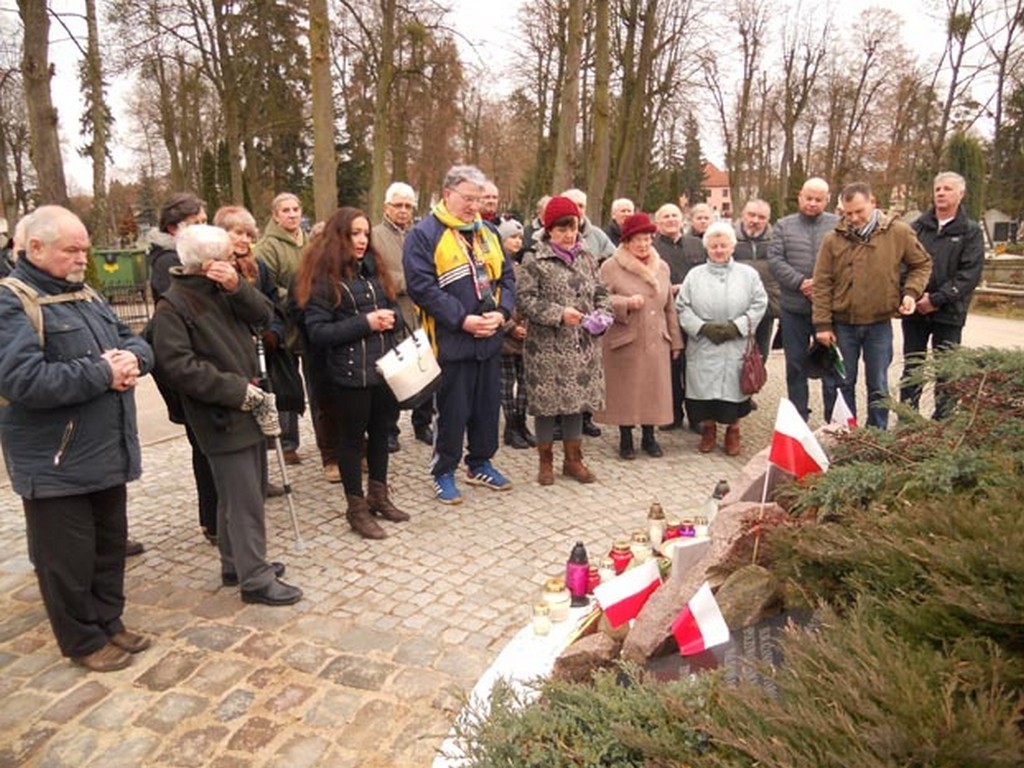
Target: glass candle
(541,619)
(655,525)
(557,597)
(621,555)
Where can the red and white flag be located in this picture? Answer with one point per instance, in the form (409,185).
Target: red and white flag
(841,413)
(794,447)
(700,625)
(622,598)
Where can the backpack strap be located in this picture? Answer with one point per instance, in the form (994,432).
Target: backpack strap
(33,303)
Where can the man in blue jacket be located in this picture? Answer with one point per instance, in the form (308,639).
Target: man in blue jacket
(68,371)
(457,274)
(957,251)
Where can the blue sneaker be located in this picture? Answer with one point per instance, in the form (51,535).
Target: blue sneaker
(487,475)
(446,490)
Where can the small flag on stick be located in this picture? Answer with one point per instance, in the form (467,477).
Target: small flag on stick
(841,413)
(624,596)
(700,625)
(794,447)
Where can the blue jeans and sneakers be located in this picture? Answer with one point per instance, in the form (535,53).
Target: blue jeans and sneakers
(874,341)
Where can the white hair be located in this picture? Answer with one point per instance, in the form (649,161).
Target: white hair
(399,189)
(200,243)
(721,229)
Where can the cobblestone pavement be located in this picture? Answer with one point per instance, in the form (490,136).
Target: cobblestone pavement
(367,669)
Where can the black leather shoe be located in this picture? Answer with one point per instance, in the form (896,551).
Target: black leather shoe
(231,579)
(133,548)
(393,446)
(590,429)
(275,593)
(424,434)
(651,448)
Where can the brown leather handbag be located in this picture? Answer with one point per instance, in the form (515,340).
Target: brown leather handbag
(753,374)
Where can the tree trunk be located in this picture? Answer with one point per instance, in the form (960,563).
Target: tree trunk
(569,107)
(600,156)
(230,99)
(98,118)
(325,182)
(381,113)
(42,116)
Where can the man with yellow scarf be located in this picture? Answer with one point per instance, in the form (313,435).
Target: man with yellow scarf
(464,288)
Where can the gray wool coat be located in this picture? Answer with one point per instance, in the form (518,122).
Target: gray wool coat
(562,363)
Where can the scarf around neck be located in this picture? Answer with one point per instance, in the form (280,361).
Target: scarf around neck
(646,271)
(568,255)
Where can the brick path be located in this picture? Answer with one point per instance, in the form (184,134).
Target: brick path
(367,669)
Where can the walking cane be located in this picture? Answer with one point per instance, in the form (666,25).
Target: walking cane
(300,545)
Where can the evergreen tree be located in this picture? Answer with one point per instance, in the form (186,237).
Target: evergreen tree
(964,155)
(691,172)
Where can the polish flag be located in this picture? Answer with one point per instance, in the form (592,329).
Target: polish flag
(700,625)
(794,447)
(841,413)
(622,598)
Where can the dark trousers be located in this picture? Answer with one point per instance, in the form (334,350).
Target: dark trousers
(206,489)
(677,367)
(468,402)
(513,388)
(918,330)
(363,413)
(797,333)
(77,546)
(241,478)
(763,336)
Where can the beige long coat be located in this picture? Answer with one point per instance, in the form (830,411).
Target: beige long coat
(637,349)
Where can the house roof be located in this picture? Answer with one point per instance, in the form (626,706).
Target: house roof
(714,177)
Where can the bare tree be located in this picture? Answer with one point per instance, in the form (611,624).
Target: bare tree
(568,109)
(42,115)
(99,124)
(325,182)
(600,154)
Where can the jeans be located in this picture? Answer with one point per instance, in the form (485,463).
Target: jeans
(917,330)
(797,332)
(874,341)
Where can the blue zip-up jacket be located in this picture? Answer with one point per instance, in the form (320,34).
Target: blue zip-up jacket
(441,284)
(65,431)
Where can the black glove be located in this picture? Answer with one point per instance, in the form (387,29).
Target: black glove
(719,333)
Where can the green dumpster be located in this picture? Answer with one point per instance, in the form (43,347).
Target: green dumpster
(119,269)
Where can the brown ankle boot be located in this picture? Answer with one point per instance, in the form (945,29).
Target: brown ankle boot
(362,522)
(708,436)
(379,503)
(572,465)
(732,440)
(546,472)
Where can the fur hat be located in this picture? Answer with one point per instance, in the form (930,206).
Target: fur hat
(558,208)
(635,224)
(509,228)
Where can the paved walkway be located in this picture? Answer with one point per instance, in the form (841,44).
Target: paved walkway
(367,669)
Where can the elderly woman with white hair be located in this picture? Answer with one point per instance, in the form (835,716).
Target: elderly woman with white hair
(719,305)
(203,338)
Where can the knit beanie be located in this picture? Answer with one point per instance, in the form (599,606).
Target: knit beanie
(558,208)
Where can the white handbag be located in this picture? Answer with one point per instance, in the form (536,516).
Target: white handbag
(411,370)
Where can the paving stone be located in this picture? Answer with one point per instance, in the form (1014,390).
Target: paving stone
(307,658)
(255,734)
(373,725)
(75,702)
(15,625)
(267,677)
(68,750)
(217,675)
(300,752)
(234,705)
(289,698)
(231,761)
(170,670)
(224,604)
(323,628)
(129,751)
(416,683)
(214,637)
(417,651)
(358,672)
(56,679)
(336,707)
(169,711)
(363,640)
(193,748)
(14,707)
(260,646)
(18,750)
(119,707)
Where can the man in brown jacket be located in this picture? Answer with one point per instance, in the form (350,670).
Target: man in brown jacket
(857,292)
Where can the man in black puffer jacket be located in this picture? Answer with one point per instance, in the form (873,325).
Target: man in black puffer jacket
(957,250)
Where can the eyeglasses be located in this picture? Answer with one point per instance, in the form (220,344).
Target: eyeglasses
(404,206)
(471,199)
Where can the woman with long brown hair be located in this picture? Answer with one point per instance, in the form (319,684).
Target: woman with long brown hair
(349,320)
